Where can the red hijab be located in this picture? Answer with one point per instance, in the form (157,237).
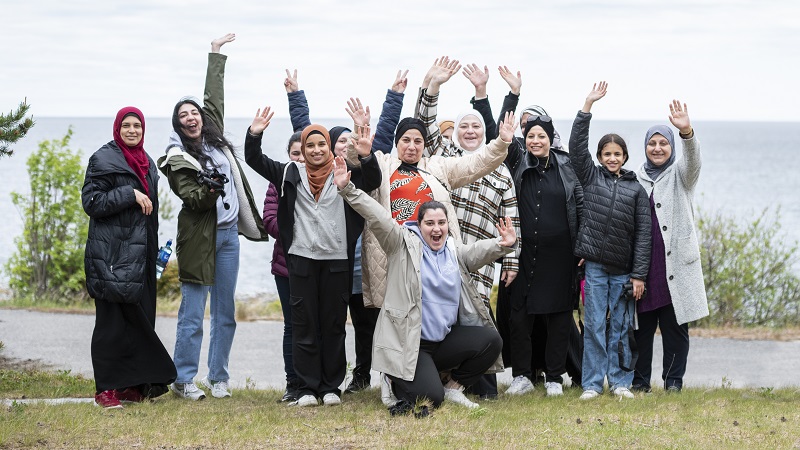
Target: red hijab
(135,156)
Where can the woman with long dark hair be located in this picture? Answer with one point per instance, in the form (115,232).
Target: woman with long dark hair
(209,223)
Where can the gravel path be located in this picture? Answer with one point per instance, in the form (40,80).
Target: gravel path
(62,341)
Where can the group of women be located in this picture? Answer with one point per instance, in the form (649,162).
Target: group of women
(406,239)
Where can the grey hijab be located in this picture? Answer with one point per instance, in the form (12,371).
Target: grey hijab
(652,170)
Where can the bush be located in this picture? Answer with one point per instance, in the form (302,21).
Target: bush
(48,261)
(749,271)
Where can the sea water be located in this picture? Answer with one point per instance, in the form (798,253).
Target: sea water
(746,167)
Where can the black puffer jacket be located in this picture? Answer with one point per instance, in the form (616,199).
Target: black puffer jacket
(615,230)
(117,247)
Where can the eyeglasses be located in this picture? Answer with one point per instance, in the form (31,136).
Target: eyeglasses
(542,118)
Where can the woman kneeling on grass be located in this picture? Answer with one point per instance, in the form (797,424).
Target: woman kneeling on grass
(614,241)
(433,320)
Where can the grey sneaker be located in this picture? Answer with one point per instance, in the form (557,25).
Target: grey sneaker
(188,391)
(307,400)
(520,385)
(331,399)
(589,394)
(219,389)
(622,392)
(553,389)
(457,396)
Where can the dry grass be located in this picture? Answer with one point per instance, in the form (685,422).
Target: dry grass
(717,418)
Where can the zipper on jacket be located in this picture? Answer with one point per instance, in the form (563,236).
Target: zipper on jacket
(608,219)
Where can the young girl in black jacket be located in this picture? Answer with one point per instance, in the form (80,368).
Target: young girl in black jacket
(614,241)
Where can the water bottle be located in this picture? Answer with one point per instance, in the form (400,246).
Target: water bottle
(163,258)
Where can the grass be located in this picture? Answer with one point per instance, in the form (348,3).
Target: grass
(252,419)
(43,384)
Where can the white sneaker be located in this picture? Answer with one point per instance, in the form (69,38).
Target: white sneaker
(457,396)
(589,394)
(219,389)
(623,392)
(387,395)
(189,391)
(553,389)
(520,385)
(331,399)
(307,400)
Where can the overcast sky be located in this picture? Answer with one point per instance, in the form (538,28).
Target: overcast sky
(729,60)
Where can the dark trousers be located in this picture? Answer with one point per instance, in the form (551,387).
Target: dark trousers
(468,352)
(282,284)
(319,295)
(555,353)
(364,320)
(675,341)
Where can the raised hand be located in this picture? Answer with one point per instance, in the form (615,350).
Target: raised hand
(508,236)
(400,82)
(475,75)
(144,201)
(290,83)
(362,141)
(261,120)
(598,91)
(679,116)
(356,111)
(441,73)
(514,81)
(507,127)
(341,176)
(429,74)
(217,43)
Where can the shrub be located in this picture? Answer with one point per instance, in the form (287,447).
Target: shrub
(48,261)
(749,271)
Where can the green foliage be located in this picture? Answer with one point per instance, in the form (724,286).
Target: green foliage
(168,288)
(166,210)
(749,271)
(13,127)
(48,261)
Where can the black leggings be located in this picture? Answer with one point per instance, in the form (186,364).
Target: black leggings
(675,341)
(468,352)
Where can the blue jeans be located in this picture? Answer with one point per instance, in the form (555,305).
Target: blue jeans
(600,356)
(189,336)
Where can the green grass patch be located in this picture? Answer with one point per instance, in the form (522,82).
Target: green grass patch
(43,384)
(696,418)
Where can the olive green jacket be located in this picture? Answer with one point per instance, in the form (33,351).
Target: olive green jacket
(197,220)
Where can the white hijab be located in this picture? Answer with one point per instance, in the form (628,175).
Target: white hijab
(461,116)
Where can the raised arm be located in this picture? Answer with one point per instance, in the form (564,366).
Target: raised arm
(514,82)
(378,218)
(579,138)
(480,102)
(254,156)
(214,92)
(390,114)
(298,105)
(689,164)
(441,71)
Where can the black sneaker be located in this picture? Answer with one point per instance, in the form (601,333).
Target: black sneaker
(673,389)
(358,384)
(290,395)
(641,388)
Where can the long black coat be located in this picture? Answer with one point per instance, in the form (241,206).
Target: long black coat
(615,230)
(121,250)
